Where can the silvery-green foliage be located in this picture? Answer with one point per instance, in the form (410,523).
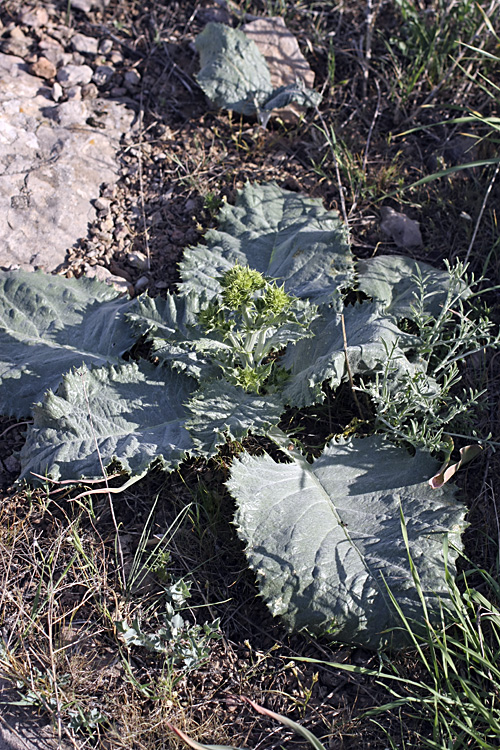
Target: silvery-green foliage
(133,413)
(219,411)
(283,235)
(359,338)
(325,541)
(49,324)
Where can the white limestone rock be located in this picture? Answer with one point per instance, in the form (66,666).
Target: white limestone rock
(50,167)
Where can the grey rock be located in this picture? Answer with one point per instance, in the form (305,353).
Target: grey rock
(53,51)
(51,166)
(102,74)
(74,112)
(89,91)
(19,47)
(83,5)
(77,59)
(70,75)
(116,57)
(87,45)
(138,260)
(35,18)
(75,92)
(17,33)
(57,91)
(103,274)
(105,46)
(131,79)
(405,232)
(102,204)
(141,284)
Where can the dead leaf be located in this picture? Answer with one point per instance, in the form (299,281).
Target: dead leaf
(448,469)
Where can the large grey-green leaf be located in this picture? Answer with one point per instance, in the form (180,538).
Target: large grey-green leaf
(282,234)
(132,413)
(234,74)
(172,317)
(220,410)
(171,327)
(325,538)
(390,279)
(49,324)
(369,338)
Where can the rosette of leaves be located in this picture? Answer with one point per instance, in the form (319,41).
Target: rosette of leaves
(259,325)
(234,74)
(232,345)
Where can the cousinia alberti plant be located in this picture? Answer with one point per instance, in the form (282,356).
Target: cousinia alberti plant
(260,325)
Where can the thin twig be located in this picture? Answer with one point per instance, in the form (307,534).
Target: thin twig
(351,381)
(141,179)
(483,206)
(368,142)
(371,15)
(17,424)
(103,470)
(336,164)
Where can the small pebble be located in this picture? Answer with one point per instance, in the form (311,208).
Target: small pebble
(138,260)
(83,5)
(131,79)
(74,92)
(141,284)
(108,190)
(57,91)
(70,75)
(53,51)
(118,91)
(77,59)
(102,204)
(116,57)
(87,45)
(35,18)
(43,68)
(89,91)
(105,46)
(102,75)
(121,233)
(18,34)
(103,274)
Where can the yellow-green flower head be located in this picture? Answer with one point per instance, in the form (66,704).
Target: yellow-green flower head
(276,300)
(238,285)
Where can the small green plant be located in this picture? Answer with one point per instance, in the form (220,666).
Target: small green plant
(212,203)
(184,646)
(248,316)
(420,408)
(429,38)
